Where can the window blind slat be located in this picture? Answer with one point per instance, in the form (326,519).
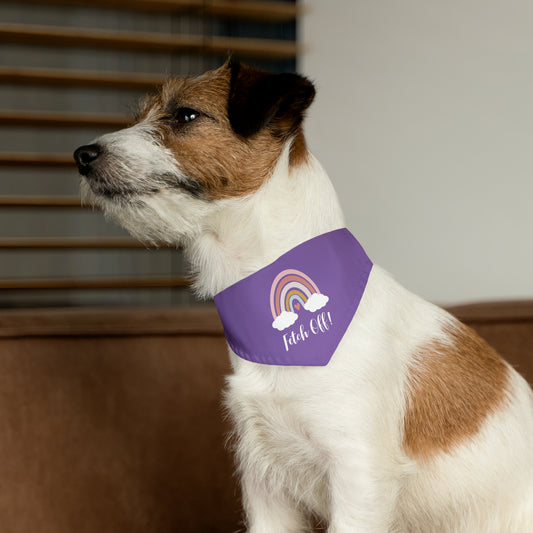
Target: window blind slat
(40,201)
(22,159)
(70,78)
(94,283)
(30,34)
(13,243)
(62,119)
(258,10)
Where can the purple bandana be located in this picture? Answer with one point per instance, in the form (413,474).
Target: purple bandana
(296,310)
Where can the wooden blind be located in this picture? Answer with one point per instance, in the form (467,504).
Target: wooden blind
(71,70)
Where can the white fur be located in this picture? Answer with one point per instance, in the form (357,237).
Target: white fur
(328,440)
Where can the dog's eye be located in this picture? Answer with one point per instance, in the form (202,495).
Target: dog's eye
(185,115)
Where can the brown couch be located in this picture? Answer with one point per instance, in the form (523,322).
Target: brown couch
(110,419)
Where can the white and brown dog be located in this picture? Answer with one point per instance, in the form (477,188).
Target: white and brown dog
(415,425)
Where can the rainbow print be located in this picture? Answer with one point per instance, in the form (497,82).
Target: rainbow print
(291,290)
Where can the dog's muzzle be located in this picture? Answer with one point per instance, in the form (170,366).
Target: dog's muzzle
(85,156)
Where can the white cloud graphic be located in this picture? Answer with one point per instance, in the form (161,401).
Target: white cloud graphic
(316,301)
(283,321)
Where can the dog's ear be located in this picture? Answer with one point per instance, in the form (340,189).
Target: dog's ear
(258,98)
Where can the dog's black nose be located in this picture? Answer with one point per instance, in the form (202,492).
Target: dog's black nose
(85,156)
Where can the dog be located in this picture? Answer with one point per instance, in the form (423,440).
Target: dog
(414,424)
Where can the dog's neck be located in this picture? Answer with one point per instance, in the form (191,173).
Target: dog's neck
(297,203)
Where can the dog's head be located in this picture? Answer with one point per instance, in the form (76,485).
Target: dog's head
(197,142)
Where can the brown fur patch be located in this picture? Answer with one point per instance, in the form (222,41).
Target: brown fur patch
(208,151)
(451,390)
(222,163)
(299,153)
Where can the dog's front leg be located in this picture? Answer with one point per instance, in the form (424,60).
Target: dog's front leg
(269,512)
(363,494)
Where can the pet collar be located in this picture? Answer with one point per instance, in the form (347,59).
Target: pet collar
(296,310)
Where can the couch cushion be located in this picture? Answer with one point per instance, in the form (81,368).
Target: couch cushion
(112,422)
(507,326)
